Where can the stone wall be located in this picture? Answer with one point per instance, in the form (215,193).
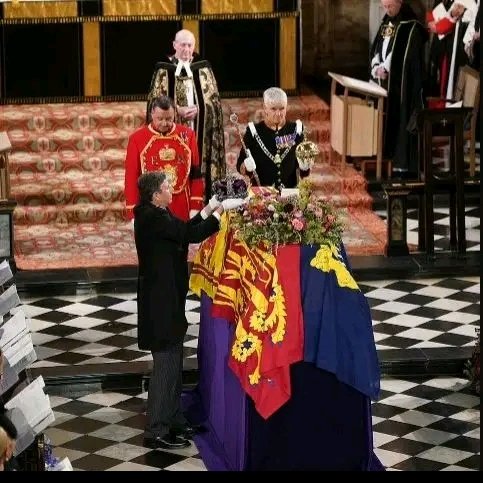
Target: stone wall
(336,34)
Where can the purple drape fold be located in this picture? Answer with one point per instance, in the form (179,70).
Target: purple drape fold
(219,396)
(238,439)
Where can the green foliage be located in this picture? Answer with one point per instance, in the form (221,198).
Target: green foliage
(270,219)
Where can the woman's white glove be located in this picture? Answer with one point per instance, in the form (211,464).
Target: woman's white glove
(233,203)
(249,162)
(193,213)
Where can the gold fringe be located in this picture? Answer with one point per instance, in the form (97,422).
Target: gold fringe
(139,7)
(71,99)
(288,53)
(36,10)
(148,18)
(92,58)
(236,6)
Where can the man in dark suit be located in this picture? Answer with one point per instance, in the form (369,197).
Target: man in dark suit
(162,247)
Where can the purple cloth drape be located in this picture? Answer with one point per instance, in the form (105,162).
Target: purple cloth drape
(326,424)
(219,397)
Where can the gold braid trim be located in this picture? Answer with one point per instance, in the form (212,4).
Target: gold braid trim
(148,18)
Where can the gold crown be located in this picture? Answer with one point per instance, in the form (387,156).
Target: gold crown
(167,154)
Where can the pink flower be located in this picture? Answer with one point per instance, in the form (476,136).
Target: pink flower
(329,221)
(297,224)
(298,214)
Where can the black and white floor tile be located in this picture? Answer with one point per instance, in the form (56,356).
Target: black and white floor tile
(101,328)
(424,312)
(429,424)
(441,227)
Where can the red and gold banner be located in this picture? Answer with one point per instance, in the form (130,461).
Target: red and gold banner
(259,292)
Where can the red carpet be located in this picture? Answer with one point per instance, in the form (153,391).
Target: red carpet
(67,175)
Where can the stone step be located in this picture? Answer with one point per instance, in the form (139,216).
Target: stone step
(62,150)
(64,160)
(43,118)
(81,201)
(82,212)
(93,141)
(67,198)
(89,141)
(345,201)
(331,180)
(73,187)
(129,115)
(51,246)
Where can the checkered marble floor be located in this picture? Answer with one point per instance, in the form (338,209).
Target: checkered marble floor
(424,312)
(419,424)
(441,227)
(101,328)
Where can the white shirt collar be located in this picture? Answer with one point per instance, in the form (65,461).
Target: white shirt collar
(186,65)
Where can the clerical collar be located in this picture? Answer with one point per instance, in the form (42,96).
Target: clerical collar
(179,68)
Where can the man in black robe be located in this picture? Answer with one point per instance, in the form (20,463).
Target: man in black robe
(190,81)
(397,64)
(269,158)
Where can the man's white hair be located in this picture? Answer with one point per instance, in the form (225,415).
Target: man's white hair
(274,95)
(184,34)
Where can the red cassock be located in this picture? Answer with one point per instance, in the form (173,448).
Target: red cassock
(175,154)
(443,26)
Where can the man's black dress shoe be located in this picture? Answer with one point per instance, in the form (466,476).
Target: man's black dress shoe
(189,430)
(170,441)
